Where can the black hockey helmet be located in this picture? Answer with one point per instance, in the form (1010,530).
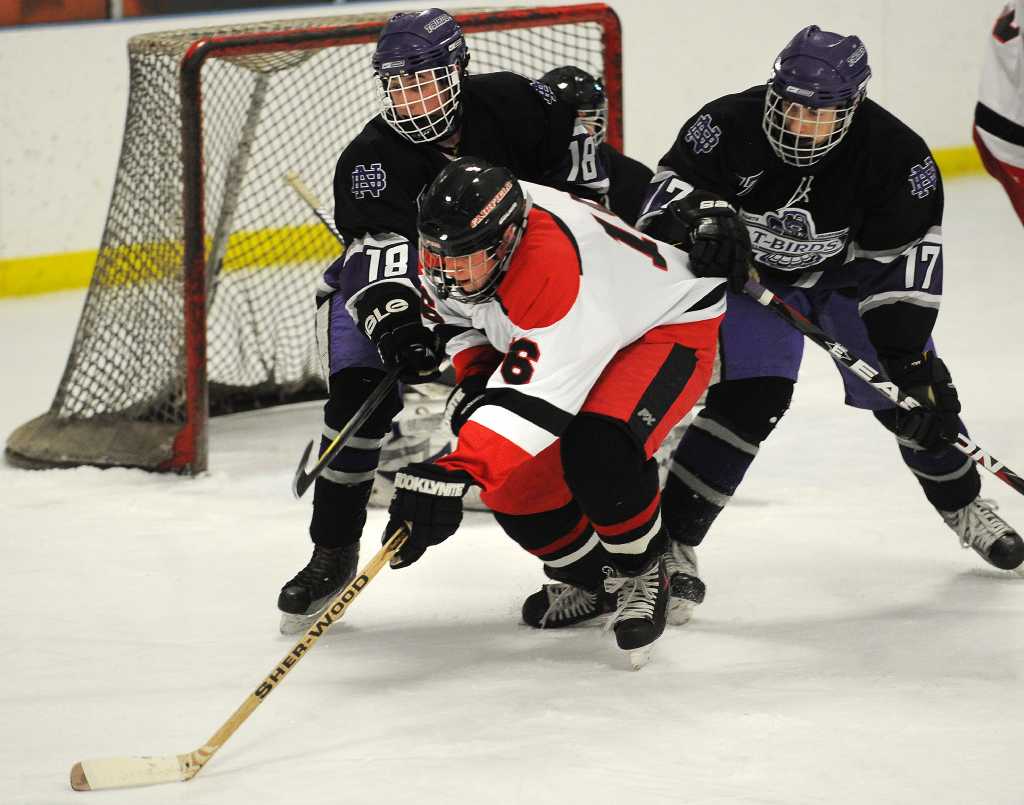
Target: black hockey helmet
(471,219)
(585,93)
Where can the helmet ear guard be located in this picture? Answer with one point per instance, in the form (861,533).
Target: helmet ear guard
(818,75)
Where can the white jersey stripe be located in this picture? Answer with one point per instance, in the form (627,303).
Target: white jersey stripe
(518,430)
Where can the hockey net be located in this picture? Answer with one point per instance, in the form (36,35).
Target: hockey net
(201,300)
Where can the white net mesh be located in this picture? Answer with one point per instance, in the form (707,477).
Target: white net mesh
(290,102)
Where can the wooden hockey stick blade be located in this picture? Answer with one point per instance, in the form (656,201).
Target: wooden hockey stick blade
(122,772)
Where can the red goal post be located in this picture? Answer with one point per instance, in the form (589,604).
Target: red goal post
(201,300)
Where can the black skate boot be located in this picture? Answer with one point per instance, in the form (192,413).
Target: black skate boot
(305,597)
(991,537)
(642,605)
(686,589)
(556,605)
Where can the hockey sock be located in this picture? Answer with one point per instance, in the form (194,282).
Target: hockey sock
(713,456)
(342,491)
(616,486)
(564,540)
(949,479)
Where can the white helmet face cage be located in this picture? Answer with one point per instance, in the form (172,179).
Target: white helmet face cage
(781,115)
(481,270)
(422,106)
(596,121)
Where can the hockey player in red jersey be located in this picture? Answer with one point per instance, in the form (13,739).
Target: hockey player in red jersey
(432,108)
(999,114)
(578,343)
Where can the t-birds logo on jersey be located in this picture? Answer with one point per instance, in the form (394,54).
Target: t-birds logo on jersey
(370,180)
(786,239)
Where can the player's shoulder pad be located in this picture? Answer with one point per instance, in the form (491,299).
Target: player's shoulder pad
(884,127)
(374,158)
(705,132)
(510,93)
(543,279)
(736,107)
(503,82)
(897,151)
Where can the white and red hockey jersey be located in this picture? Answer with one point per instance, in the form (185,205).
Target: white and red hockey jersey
(999,117)
(581,286)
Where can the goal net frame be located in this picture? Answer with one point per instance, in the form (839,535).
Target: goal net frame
(137,438)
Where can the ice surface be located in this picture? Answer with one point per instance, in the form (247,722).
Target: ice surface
(848,651)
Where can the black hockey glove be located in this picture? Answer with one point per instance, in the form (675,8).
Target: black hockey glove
(463,400)
(429,498)
(927,380)
(715,237)
(389,314)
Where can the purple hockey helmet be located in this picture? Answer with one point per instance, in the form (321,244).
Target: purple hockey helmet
(419,61)
(817,83)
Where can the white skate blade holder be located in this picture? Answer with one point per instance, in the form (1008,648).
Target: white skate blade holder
(679,611)
(639,657)
(295,624)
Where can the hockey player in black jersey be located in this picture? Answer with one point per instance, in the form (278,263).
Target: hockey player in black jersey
(368,305)
(628,179)
(843,204)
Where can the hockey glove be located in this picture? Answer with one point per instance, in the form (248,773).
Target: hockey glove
(463,401)
(715,237)
(429,498)
(927,380)
(389,315)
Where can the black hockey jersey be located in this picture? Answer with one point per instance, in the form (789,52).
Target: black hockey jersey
(628,179)
(866,219)
(507,120)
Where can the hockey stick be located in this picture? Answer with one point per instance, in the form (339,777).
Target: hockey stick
(841,355)
(303,479)
(306,195)
(122,772)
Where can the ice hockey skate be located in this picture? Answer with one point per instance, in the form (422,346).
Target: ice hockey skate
(558,605)
(305,597)
(639,619)
(991,537)
(686,589)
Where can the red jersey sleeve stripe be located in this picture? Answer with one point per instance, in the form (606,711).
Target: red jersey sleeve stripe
(543,280)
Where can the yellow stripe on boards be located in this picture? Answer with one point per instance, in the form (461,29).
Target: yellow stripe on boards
(22,276)
(961,161)
(265,248)
(280,248)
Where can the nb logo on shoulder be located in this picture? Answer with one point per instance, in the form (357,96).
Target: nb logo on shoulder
(370,180)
